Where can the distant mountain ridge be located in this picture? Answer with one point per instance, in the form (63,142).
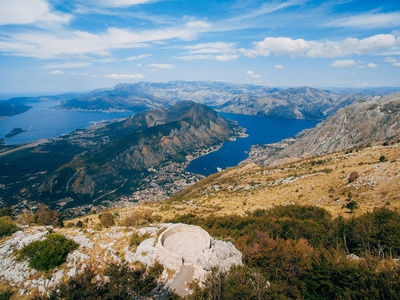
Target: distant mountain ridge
(376,120)
(292,103)
(147,95)
(287,103)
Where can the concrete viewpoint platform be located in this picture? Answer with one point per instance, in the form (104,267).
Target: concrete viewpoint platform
(181,244)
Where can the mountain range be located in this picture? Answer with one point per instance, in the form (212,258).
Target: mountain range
(359,124)
(292,103)
(86,164)
(289,103)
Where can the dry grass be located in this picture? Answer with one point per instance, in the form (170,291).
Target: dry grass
(320,181)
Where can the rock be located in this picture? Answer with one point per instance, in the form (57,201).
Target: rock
(76,256)
(73,272)
(82,240)
(146,252)
(56,278)
(221,254)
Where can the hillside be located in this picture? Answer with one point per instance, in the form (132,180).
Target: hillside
(292,103)
(8,109)
(290,224)
(120,158)
(362,123)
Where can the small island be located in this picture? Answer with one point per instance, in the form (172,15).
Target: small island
(13,132)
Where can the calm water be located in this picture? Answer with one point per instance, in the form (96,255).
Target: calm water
(260,131)
(42,122)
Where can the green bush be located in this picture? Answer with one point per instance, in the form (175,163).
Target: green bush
(47,254)
(123,282)
(6,295)
(6,211)
(7,227)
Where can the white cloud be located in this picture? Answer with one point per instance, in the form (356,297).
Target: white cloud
(219,51)
(57,72)
(63,43)
(125,76)
(250,73)
(68,65)
(279,46)
(349,46)
(161,66)
(256,76)
(372,66)
(279,67)
(286,46)
(198,24)
(15,12)
(393,61)
(226,57)
(212,48)
(222,57)
(123,3)
(344,63)
(353,64)
(378,20)
(138,57)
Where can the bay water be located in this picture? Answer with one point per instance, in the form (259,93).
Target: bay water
(260,130)
(41,122)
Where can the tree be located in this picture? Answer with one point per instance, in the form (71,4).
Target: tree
(352,206)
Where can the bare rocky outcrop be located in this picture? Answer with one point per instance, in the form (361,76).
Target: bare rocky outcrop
(372,121)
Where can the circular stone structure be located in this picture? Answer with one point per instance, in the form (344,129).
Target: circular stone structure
(182,243)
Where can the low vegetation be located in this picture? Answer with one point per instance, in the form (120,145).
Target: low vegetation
(7,227)
(47,254)
(123,282)
(302,252)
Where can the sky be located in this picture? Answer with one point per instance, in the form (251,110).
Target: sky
(49,46)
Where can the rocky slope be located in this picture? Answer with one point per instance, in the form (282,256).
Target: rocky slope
(376,120)
(293,103)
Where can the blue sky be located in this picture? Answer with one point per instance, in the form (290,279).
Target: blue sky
(79,45)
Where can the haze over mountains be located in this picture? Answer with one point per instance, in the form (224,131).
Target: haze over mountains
(289,103)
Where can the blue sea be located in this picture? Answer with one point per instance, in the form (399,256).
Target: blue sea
(260,130)
(43,122)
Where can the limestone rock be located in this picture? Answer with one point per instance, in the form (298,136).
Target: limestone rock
(221,254)
(146,252)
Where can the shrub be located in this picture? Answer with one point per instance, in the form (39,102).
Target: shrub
(6,295)
(79,224)
(123,282)
(6,211)
(7,227)
(353,176)
(137,218)
(352,206)
(107,219)
(136,238)
(47,254)
(382,158)
(48,217)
